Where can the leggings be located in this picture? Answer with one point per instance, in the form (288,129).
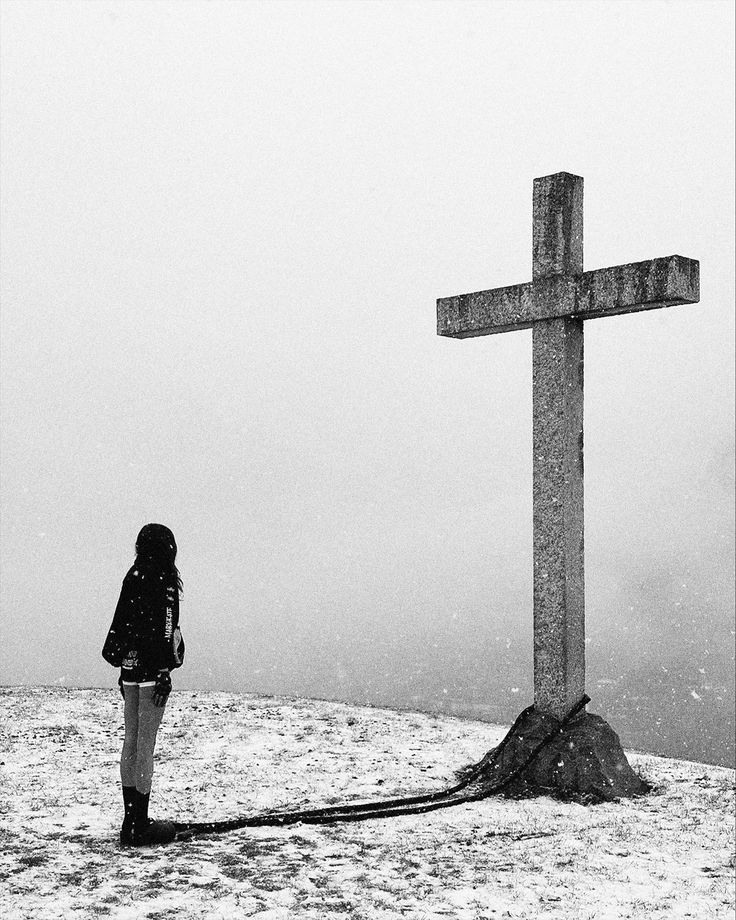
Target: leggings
(142,719)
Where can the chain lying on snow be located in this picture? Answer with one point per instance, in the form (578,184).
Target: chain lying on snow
(388,808)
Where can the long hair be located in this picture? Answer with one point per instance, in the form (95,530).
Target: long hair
(157,543)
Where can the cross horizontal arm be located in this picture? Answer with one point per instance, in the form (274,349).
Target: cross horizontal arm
(604,292)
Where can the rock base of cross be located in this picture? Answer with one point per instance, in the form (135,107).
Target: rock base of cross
(585,762)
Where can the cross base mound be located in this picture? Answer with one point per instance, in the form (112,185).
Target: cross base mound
(585,762)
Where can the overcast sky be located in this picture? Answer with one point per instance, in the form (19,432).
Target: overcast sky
(225,226)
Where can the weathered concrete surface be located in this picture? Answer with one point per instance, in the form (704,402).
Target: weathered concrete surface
(584,762)
(557,445)
(648,285)
(557,226)
(638,286)
(555,304)
(486,312)
(559,584)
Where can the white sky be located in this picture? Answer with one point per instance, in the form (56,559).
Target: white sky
(225,226)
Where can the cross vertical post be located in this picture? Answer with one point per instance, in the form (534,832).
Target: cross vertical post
(557,399)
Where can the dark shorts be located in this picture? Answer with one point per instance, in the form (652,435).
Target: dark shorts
(135,672)
(132,679)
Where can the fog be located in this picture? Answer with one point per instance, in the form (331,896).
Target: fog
(225,226)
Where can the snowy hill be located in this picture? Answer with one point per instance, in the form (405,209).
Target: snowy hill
(221,755)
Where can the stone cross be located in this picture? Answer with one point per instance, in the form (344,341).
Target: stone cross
(555,304)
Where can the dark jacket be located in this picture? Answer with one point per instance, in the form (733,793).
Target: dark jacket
(147,613)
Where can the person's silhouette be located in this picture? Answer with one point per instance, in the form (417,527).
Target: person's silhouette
(145,642)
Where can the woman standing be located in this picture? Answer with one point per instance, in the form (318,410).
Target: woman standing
(144,641)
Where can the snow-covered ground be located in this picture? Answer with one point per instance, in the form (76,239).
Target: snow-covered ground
(221,755)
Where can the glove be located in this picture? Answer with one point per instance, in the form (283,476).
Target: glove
(122,688)
(162,688)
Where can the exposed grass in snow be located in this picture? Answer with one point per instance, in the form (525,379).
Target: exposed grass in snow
(220,755)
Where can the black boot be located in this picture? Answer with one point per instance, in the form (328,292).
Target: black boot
(126,831)
(145,831)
